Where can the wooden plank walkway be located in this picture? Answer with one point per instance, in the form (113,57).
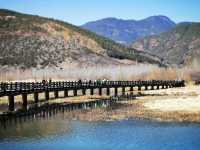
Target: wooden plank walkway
(24,88)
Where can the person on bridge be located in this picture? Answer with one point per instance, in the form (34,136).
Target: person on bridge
(80,82)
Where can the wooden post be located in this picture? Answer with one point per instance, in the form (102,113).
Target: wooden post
(11,103)
(139,88)
(107,91)
(116,91)
(123,90)
(158,87)
(47,95)
(100,91)
(84,91)
(91,91)
(66,93)
(56,94)
(36,97)
(75,92)
(152,87)
(146,87)
(131,88)
(24,99)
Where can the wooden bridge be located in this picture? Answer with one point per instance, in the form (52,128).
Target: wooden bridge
(24,88)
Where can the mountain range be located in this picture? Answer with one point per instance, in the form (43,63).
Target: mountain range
(180,45)
(29,41)
(127,31)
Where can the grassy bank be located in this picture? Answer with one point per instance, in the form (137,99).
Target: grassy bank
(177,105)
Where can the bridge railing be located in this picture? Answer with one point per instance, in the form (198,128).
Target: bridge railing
(31,86)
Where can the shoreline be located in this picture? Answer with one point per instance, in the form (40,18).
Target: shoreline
(167,105)
(185,102)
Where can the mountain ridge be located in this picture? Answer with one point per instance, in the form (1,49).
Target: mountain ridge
(179,46)
(34,41)
(126,31)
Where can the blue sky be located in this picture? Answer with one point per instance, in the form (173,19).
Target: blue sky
(81,11)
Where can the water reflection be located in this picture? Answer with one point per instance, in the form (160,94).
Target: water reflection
(21,129)
(56,130)
(59,132)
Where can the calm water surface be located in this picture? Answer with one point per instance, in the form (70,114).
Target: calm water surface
(60,133)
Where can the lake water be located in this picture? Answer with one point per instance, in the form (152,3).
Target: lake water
(60,133)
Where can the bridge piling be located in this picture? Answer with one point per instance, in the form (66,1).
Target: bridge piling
(36,97)
(75,92)
(11,102)
(46,95)
(65,93)
(123,90)
(24,99)
(84,91)
(91,91)
(139,88)
(107,91)
(131,88)
(116,91)
(100,91)
(56,94)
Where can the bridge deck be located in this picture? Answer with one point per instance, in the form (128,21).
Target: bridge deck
(25,88)
(17,88)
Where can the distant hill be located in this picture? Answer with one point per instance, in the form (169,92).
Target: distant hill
(180,46)
(31,41)
(127,31)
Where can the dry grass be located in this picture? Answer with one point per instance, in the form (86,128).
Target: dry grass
(182,102)
(112,72)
